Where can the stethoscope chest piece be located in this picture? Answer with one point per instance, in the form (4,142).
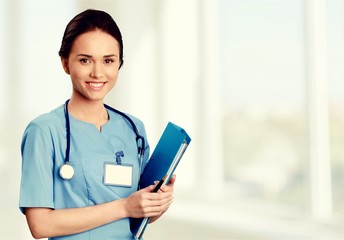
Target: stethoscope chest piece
(66,171)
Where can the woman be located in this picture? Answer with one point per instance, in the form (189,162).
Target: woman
(67,189)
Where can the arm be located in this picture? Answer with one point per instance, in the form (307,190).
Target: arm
(45,222)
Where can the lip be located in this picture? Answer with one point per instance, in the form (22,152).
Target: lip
(96,85)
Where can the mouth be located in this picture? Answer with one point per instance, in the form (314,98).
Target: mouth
(96,85)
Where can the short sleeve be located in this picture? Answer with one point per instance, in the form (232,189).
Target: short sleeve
(36,189)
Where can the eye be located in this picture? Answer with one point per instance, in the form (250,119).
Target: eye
(84,61)
(109,61)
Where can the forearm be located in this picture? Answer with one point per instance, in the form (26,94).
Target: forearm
(45,222)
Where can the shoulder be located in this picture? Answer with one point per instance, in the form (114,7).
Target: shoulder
(120,115)
(125,118)
(139,124)
(44,127)
(47,122)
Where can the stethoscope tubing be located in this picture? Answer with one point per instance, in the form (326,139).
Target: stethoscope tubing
(67,132)
(140,141)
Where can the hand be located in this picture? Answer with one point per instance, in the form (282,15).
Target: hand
(165,189)
(170,186)
(145,203)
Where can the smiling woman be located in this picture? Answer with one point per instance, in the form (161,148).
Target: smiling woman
(83,136)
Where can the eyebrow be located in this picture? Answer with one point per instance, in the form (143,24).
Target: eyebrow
(90,56)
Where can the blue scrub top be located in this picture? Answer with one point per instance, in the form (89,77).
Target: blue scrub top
(43,153)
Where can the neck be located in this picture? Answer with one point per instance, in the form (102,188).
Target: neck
(88,111)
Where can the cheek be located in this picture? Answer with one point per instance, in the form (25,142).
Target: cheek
(112,75)
(78,74)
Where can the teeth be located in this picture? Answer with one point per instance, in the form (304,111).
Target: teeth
(96,84)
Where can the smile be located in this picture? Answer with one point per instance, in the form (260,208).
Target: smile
(96,84)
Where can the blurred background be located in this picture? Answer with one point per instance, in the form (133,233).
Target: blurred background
(258,85)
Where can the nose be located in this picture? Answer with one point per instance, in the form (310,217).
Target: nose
(96,71)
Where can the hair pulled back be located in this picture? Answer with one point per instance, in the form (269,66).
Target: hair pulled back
(86,21)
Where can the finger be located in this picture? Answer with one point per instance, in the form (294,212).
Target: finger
(166,189)
(157,209)
(173,179)
(157,199)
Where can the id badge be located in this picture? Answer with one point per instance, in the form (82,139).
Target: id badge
(118,174)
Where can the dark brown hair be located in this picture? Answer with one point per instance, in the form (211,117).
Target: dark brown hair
(86,21)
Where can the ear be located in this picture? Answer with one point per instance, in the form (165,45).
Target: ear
(65,65)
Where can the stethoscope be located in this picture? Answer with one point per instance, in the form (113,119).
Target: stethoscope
(67,171)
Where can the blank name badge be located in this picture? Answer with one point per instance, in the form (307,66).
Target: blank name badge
(118,174)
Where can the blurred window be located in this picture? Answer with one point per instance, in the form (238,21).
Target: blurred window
(265,91)
(335,40)
(264,79)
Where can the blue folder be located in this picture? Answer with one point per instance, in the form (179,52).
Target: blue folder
(161,166)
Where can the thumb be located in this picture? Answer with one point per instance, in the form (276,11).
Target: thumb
(172,180)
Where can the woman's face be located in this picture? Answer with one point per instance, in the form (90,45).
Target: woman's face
(93,65)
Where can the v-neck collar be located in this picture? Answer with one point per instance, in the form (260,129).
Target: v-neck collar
(91,124)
